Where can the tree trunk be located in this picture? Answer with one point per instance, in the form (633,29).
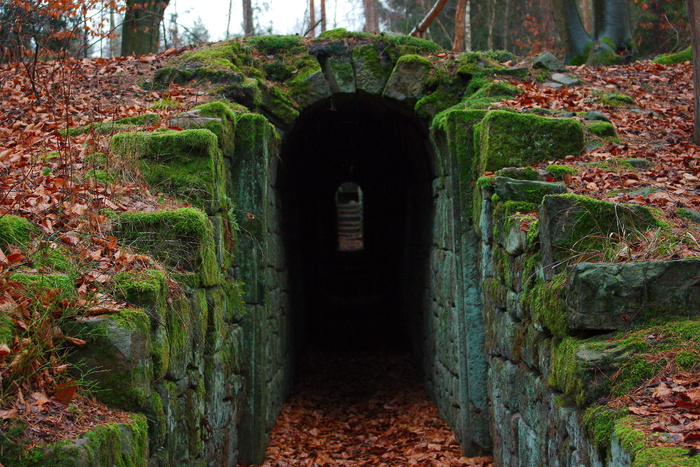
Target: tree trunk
(491,9)
(371,19)
(312,19)
(612,21)
(248,28)
(694,23)
(461,26)
(571,30)
(141,26)
(323,16)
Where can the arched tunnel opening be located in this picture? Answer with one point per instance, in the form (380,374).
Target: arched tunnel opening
(355,186)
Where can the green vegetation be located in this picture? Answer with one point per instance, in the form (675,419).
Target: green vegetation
(685,55)
(15,230)
(509,139)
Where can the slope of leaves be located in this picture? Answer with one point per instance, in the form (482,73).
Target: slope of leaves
(658,130)
(44,178)
(364,410)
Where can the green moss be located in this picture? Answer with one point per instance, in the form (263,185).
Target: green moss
(485,182)
(565,375)
(589,225)
(599,423)
(275,44)
(113,126)
(103,176)
(187,165)
(685,55)
(39,283)
(15,230)
(545,305)
(600,128)
(687,359)
(54,260)
(508,139)
(560,171)
(617,100)
(180,238)
(146,288)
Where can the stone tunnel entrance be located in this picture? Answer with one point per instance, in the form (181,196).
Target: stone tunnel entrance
(357,261)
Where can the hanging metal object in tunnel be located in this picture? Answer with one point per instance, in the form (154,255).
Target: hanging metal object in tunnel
(348,204)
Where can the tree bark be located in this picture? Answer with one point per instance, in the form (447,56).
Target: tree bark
(694,23)
(573,34)
(371,19)
(141,26)
(323,16)
(312,19)
(461,26)
(248,28)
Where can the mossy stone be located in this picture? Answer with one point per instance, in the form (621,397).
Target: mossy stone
(508,139)
(531,191)
(407,81)
(340,75)
(685,55)
(187,165)
(600,128)
(574,226)
(117,357)
(372,68)
(145,289)
(181,238)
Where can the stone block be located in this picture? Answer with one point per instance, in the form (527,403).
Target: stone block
(608,296)
(508,139)
(310,89)
(181,238)
(117,357)
(340,75)
(578,226)
(530,191)
(407,81)
(372,69)
(187,165)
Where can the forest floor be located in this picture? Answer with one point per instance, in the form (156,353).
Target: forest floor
(44,177)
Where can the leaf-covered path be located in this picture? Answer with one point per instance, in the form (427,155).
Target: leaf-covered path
(362,410)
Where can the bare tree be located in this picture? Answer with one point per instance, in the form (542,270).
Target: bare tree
(323,15)
(248,28)
(371,18)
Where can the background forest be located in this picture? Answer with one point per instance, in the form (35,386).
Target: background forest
(111,27)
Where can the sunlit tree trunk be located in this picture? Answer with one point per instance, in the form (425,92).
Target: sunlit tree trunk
(463,35)
(312,18)
(371,19)
(248,28)
(694,21)
(141,26)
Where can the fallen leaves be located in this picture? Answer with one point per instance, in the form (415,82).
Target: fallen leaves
(668,410)
(364,410)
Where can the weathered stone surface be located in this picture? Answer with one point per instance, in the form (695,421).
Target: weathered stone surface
(547,61)
(186,165)
(119,348)
(372,69)
(530,191)
(316,89)
(566,80)
(340,75)
(407,80)
(607,296)
(595,115)
(572,225)
(192,119)
(508,139)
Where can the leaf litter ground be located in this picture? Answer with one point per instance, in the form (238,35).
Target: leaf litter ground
(367,409)
(43,178)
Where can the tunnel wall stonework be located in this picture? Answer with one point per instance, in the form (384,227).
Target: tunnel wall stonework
(505,314)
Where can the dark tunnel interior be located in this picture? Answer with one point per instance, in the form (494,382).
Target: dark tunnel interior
(368,298)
